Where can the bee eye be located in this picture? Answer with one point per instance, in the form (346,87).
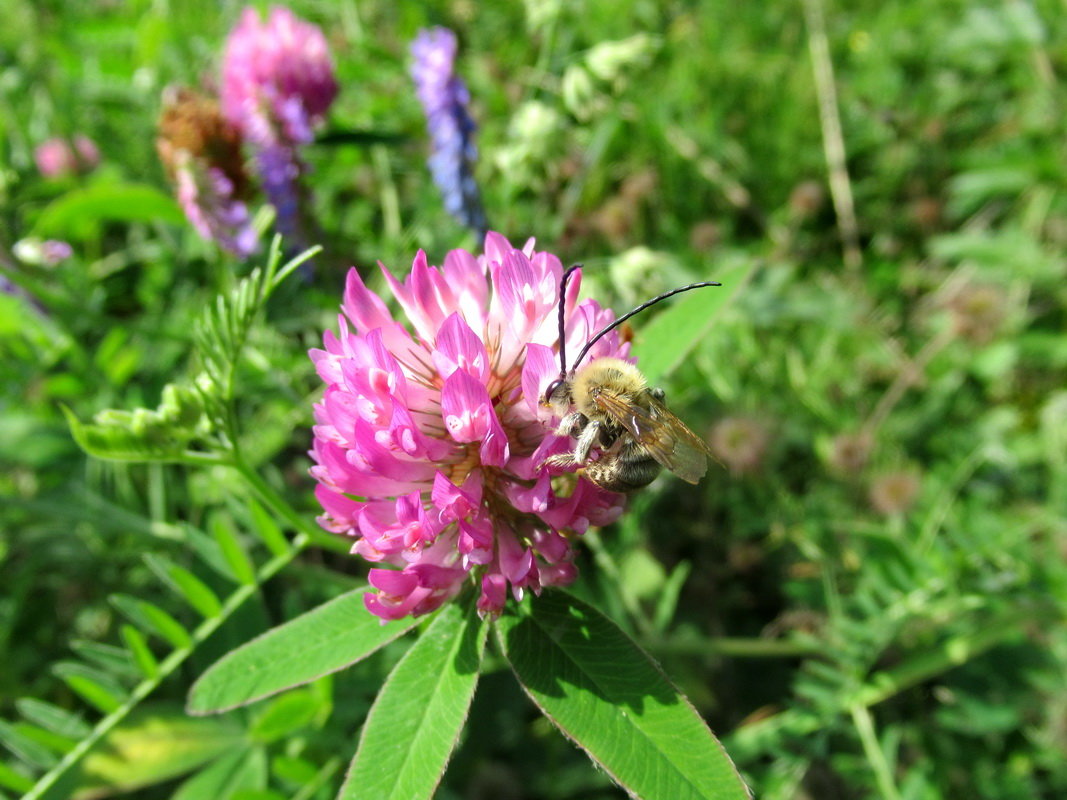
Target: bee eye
(552,387)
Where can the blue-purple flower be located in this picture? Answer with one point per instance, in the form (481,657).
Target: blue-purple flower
(444,98)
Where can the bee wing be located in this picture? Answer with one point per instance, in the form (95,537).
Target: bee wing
(663,435)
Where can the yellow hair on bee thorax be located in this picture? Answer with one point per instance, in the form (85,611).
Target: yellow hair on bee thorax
(606,375)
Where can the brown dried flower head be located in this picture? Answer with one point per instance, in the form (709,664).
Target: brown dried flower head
(705,235)
(806,199)
(894,492)
(740,444)
(850,452)
(977,312)
(192,124)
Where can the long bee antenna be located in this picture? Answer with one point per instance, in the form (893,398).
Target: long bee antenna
(625,316)
(562,337)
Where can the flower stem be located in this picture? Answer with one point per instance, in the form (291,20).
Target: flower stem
(883,774)
(909,374)
(737,646)
(276,503)
(822,68)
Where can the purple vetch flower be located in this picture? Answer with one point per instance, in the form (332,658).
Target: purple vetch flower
(58,156)
(444,98)
(202,154)
(42,252)
(207,197)
(54,251)
(430,438)
(12,289)
(277,84)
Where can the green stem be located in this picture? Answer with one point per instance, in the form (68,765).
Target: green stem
(822,68)
(736,646)
(199,459)
(390,197)
(954,652)
(883,774)
(311,787)
(276,503)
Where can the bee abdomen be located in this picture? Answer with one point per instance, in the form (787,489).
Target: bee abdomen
(632,470)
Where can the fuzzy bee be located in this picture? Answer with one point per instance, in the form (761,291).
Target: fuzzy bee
(608,405)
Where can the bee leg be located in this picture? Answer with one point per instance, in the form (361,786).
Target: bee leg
(590,432)
(657,393)
(586,440)
(571,425)
(560,461)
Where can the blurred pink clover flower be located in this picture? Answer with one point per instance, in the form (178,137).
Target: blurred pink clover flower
(57,156)
(277,84)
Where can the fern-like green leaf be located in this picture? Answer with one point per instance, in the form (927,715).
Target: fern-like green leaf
(23,746)
(13,779)
(140,652)
(52,717)
(154,619)
(163,434)
(232,550)
(185,584)
(95,687)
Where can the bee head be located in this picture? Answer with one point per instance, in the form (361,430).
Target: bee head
(555,392)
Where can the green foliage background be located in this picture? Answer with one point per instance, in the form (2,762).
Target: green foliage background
(866,599)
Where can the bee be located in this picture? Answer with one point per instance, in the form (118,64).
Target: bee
(607,404)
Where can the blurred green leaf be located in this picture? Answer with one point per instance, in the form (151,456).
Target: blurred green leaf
(230,774)
(186,585)
(140,651)
(93,686)
(668,598)
(641,573)
(52,717)
(297,771)
(232,550)
(267,529)
(14,738)
(283,715)
(156,745)
(666,341)
(16,781)
(970,190)
(110,659)
(79,213)
(258,794)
